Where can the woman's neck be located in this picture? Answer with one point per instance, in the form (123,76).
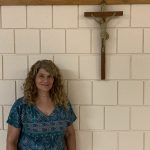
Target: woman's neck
(43,98)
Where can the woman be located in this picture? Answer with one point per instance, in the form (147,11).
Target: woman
(42,119)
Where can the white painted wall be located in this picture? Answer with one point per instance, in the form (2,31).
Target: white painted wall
(112,114)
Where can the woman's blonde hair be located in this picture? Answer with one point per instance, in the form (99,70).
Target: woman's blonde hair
(57,92)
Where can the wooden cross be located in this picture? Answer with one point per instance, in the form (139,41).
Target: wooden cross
(104,18)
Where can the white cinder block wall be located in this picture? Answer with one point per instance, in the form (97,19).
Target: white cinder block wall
(112,114)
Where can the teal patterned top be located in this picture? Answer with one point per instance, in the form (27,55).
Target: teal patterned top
(39,131)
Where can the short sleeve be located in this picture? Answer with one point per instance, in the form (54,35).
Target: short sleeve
(14,117)
(71,117)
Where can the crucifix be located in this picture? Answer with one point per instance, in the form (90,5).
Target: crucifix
(103,19)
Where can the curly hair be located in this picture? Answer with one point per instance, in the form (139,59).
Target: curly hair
(57,92)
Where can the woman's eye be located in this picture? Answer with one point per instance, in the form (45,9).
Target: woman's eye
(49,77)
(41,76)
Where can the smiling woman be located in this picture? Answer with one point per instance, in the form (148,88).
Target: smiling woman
(42,119)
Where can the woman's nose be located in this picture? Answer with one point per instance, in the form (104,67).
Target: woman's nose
(45,79)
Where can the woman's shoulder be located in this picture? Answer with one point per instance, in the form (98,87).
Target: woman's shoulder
(65,108)
(20,102)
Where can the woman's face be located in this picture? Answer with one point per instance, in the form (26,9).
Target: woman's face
(44,81)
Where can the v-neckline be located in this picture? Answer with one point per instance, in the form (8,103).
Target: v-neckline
(43,114)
